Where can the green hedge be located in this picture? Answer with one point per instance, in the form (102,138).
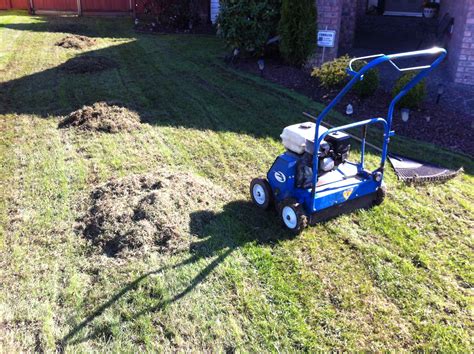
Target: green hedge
(247,24)
(297,29)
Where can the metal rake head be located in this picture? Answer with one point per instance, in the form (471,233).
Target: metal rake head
(417,172)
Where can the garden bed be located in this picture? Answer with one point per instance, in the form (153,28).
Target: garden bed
(147,28)
(432,122)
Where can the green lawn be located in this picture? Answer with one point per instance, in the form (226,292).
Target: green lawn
(398,276)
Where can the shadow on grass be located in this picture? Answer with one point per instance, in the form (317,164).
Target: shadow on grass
(238,224)
(171,80)
(85,26)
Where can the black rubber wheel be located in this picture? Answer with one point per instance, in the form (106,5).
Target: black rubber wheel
(293,216)
(380,195)
(261,193)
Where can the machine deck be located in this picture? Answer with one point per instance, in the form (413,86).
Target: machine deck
(341,178)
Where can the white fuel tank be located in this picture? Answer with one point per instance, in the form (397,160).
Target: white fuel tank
(299,138)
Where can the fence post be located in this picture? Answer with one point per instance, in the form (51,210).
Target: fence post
(32,7)
(79,8)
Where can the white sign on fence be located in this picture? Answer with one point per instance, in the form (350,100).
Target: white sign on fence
(326,38)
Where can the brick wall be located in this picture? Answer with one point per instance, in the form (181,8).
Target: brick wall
(341,16)
(465,72)
(329,17)
(361,7)
(461,43)
(348,24)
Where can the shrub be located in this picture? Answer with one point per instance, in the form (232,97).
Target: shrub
(297,29)
(333,74)
(415,96)
(180,13)
(366,87)
(248,24)
(175,13)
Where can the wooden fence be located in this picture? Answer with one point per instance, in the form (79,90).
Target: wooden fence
(91,6)
(70,6)
(14,4)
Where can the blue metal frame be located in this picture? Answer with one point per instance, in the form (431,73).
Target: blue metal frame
(440,54)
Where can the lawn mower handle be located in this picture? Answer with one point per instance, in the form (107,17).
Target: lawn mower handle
(392,57)
(378,59)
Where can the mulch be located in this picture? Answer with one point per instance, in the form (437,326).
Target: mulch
(432,123)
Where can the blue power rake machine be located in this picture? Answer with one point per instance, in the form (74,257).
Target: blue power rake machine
(313,180)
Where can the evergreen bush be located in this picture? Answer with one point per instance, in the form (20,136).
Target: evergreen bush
(248,24)
(297,29)
(415,96)
(333,75)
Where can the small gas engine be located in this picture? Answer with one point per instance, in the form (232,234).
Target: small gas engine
(299,140)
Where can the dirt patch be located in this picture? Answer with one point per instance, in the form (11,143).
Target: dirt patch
(151,212)
(88,64)
(75,41)
(102,117)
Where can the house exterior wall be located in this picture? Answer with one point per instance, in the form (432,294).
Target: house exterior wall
(348,24)
(461,43)
(362,6)
(342,16)
(329,17)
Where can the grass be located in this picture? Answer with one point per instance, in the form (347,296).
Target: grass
(396,277)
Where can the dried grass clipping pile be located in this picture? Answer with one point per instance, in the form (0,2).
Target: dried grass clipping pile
(102,117)
(75,41)
(152,212)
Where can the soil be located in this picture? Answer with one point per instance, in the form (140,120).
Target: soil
(102,117)
(433,122)
(148,213)
(88,64)
(74,41)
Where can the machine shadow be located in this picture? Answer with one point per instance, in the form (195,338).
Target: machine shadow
(218,235)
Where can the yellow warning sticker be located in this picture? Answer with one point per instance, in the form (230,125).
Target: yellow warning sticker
(347,193)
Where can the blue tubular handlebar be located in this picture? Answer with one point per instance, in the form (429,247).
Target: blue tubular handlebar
(378,59)
(353,125)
